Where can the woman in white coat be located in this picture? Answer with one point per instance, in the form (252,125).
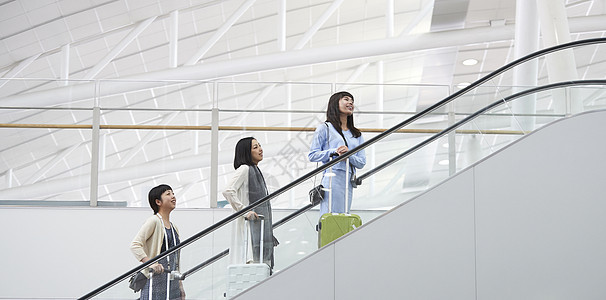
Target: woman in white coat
(247,186)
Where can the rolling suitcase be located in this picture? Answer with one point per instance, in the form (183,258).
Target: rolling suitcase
(242,276)
(334,225)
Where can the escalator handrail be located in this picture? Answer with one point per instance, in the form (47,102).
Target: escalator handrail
(477,113)
(339,159)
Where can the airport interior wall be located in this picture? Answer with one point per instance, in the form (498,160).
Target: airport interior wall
(525,223)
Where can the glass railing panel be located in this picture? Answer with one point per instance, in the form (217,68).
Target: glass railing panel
(500,125)
(591,97)
(45,165)
(298,237)
(145,157)
(207,282)
(511,118)
(384,189)
(162,134)
(46,150)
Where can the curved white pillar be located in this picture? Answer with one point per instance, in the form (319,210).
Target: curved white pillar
(561,66)
(526,41)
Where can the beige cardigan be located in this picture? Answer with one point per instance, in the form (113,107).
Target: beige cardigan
(149,239)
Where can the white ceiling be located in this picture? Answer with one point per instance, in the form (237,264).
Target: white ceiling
(125,39)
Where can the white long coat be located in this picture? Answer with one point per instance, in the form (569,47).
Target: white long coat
(236,193)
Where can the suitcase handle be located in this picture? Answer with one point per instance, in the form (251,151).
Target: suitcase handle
(261,242)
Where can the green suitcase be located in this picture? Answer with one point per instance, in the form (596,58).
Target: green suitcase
(334,225)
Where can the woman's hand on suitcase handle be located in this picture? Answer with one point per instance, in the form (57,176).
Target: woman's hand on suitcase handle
(157,268)
(252,215)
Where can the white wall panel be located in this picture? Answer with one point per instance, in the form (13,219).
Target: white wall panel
(77,250)
(422,250)
(540,215)
(311,278)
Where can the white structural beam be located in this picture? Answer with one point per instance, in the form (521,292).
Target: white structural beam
(220,32)
(213,70)
(8,176)
(389,18)
(64,71)
(53,162)
(282,25)
(132,35)
(18,68)
(173,42)
(316,26)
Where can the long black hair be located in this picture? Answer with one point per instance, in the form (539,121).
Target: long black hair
(333,114)
(242,154)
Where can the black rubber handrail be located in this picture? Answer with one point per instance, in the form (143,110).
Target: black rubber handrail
(339,159)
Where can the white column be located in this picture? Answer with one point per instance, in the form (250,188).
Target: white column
(561,66)
(214,149)
(525,76)
(94,164)
(103,152)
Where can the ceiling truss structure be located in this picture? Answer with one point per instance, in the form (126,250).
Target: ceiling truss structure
(91,46)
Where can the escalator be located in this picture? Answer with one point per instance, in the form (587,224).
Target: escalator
(450,135)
